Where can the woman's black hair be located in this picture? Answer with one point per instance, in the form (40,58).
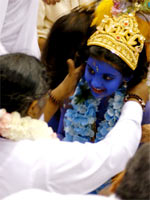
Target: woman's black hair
(22,79)
(67,39)
(134,76)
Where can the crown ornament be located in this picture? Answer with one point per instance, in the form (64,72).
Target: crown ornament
(120,35)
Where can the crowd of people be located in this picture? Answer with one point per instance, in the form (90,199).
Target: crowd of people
(75,101)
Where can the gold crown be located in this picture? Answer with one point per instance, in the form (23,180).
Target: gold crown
(121,36)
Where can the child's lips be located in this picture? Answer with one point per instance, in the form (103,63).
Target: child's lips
(98,91)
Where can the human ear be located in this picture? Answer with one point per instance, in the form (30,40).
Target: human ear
(127,79)
(36,109)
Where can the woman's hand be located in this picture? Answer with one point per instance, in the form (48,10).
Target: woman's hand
(141,90)
(53,2)
(65,89)
(145,133)
(68,85)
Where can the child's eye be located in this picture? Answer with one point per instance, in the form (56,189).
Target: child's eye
(91,71)
(107,77)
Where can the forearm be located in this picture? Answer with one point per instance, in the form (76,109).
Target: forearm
(64,90)
(50,109)
(55,101)
(86,167)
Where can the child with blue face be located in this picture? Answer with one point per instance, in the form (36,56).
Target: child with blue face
(100,94)
(114,65)
(102,78)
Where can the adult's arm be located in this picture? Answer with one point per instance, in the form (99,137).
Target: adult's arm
(66,167)
(71,167)
(81,168)
(64,90)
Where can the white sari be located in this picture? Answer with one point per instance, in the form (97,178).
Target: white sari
(18,33)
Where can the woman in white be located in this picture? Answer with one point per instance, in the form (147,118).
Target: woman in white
(18,33)
(49,164)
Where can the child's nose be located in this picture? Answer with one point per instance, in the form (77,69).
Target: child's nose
(97,82)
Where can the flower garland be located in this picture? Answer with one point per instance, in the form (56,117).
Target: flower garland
(121,6)
(80,118)
(15,127)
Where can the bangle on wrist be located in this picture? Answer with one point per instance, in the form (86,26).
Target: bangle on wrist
(53,99)
(135,96)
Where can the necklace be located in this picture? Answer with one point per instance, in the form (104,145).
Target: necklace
(80,119)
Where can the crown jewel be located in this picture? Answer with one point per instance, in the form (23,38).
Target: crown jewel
(121,36)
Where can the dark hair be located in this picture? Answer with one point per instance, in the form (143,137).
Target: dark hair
(67,38)
(135,76)
(136,181)
(22,79)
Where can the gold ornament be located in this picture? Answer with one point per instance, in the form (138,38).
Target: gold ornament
(121,36)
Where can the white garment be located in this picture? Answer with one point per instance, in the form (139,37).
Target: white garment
(48,14)
(66,167)
(18,33)
(42,117)
(36,194)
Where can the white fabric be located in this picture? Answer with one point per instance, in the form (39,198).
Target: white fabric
(36,194)
(18,33)
(42,117)
(48,14)
(65,167)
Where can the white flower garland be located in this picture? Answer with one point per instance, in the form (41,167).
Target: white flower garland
(15,127)
(81,117)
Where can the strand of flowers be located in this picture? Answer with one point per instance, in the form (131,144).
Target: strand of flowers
(15,127)
(79,120)
(121,6)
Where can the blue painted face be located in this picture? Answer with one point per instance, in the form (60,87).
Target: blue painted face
(103,79)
